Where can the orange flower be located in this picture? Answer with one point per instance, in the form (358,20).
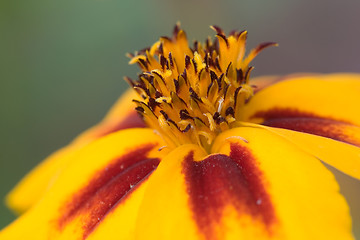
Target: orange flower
(212,154)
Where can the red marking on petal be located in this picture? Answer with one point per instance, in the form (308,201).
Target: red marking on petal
(132,120)
(308,123)
(108,187)
(276,113)
(221,180)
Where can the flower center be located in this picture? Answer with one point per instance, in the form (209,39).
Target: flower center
(190,95)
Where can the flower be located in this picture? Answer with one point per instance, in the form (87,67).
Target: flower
(214,155)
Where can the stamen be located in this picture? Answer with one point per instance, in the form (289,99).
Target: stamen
(192,95)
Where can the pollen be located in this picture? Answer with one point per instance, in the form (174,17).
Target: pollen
(191,94)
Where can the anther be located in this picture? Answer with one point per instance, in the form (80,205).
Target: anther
(184,114)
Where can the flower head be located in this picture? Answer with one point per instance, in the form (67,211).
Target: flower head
(192,95)
(212,154)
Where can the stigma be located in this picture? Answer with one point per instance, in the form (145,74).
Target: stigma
(192,94)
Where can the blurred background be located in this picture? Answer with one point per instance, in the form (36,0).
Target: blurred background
(62,61)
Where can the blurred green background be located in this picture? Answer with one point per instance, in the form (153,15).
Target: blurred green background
(62,61)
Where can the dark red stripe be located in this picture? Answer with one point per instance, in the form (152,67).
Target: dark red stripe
(306,122)
(132,120)
(108,187)
(221,180)
(278,113)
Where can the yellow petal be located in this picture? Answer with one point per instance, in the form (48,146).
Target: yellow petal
(262,82)
(104,178)
(344,157)
(121,116)
(32,187)
(336,130)
(304,194)
(255,185)
(333,96)
(164,212)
